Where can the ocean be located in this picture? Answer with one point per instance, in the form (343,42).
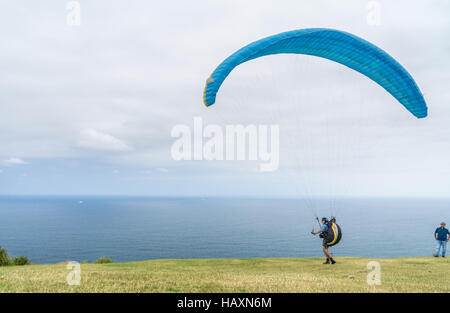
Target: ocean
(58,229)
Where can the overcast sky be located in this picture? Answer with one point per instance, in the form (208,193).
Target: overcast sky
(89,109)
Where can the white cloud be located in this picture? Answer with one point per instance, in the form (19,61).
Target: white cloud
(93,139)
(127,99)
(14,161)
(162,169)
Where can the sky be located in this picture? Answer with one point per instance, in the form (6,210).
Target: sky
(89,109)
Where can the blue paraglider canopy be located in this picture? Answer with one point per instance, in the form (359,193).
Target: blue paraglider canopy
(338,46)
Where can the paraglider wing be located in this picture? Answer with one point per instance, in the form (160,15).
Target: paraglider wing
(338,46)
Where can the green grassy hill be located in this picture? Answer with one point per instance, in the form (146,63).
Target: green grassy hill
(234,275)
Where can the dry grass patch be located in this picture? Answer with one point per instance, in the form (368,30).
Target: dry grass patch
(234,275)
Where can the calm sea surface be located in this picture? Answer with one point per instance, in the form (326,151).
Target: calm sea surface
(56,229)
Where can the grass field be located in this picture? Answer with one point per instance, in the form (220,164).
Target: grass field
(234,275)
